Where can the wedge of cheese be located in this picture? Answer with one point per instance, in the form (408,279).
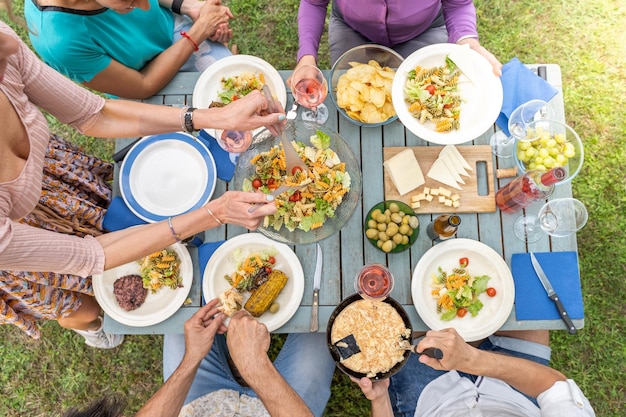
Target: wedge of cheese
(405,171)
(439,172)
(452,167)
(448,153)
(455,152)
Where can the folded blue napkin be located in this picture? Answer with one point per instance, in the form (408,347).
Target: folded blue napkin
(205,252)
(519,85)
(119,216)
(531,299)
(223,163)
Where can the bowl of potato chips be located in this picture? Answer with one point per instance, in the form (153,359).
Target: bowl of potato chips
(361,81)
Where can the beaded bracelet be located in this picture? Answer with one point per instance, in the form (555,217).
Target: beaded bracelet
(214,216)
(186,35)
(169,223)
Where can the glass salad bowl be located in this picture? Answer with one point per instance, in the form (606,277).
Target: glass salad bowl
(310,206)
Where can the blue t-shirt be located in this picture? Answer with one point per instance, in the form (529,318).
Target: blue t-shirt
(80,44)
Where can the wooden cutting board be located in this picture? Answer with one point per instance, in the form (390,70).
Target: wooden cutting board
(477,194)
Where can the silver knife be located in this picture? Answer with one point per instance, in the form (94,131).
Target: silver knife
(552,294)
(317,280)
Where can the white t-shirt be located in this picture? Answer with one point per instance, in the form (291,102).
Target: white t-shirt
(451,395)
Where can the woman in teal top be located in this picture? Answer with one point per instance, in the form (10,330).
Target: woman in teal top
(128,48)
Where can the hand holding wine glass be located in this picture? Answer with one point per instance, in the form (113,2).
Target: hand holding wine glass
(309,89)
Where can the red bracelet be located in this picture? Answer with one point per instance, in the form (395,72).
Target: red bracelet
(185,35)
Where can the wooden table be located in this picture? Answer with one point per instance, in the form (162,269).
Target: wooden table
(348,250)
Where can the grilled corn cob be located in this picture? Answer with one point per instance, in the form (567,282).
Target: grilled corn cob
(263,297)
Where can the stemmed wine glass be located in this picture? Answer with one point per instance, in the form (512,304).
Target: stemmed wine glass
(501,144)
(234,141)
(309,89)
(559,217)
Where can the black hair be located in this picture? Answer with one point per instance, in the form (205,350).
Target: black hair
(104,407)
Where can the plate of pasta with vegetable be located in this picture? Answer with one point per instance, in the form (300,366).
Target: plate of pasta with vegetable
(255,273)
(446,94)
(146,291)
(465,284)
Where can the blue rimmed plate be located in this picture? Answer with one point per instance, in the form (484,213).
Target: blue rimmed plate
(167,175)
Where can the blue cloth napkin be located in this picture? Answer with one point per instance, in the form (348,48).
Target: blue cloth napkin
(519,85)
(205,252)
(119,216)
(223,163)
(531,299)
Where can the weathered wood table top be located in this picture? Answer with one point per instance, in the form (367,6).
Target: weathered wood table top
(347,251)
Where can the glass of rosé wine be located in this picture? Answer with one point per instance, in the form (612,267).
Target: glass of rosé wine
(309,89)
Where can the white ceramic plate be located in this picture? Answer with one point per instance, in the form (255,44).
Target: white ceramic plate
(222,263)
(166,175)
(157,307)
(481,101)
(482,261)
(209,83)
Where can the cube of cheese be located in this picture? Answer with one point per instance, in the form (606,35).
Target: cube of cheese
(434,191)
(405,171)
(426,190)
(444,191)
(442,198)
(448,202)
(429,198)
(415,205)
(455,197)
(456,203)
(417,197)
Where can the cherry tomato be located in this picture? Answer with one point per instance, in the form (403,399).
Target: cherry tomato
(430,88)
(271,260)
(463,262)
(295,196)
(295,169)
(268,269)
(256,183)
(270,183)
(491,292)
(461,312)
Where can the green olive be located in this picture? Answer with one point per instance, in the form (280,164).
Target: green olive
(394,207)
(387,246)
(274,308)
(375,213)
(392,229)
(383,236)
(387,212)
(381,227)
(405,240)
(405,219)
(404,229)
(396,218)
(381,218)
(397,238)
(413,222)
(410,232)
(372,224)
(371,233)
(379,243)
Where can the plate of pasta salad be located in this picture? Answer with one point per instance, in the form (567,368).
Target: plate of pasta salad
(446,94)
(328,195)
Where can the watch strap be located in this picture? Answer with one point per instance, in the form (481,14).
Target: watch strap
(188,118)
(176,4)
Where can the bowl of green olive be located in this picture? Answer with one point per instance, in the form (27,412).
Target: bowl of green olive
(391,226)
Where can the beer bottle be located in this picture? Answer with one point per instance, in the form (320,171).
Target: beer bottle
(443,227)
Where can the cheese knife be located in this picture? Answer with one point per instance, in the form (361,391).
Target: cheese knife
(317,280)
(552,294)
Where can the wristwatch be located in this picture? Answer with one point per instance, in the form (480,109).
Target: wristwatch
(176,6)
(188,118)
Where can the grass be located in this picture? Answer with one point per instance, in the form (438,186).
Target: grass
(587,39)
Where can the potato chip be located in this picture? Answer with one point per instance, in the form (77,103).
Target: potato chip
(364,92)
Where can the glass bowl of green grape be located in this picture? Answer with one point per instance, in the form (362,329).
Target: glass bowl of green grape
(547,144)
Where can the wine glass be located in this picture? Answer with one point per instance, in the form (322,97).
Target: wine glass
(501,144)
(309,89)
(234,141)
(559,217)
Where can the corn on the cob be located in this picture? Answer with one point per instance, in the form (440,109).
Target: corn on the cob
(263,297)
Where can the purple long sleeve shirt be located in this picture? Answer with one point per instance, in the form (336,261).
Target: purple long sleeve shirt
(385,22)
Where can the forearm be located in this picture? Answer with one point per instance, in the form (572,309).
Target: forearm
(168,400)
(381,407)
(527,376)
(277,396)
(134,243)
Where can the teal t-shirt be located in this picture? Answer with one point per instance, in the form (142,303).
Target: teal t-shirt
(80,44)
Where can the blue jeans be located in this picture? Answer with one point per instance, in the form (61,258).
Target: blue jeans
(406,386)
(304,362)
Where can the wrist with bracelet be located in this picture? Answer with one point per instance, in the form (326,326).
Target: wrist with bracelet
(185,117)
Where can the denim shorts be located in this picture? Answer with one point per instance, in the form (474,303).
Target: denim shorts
(406,386)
